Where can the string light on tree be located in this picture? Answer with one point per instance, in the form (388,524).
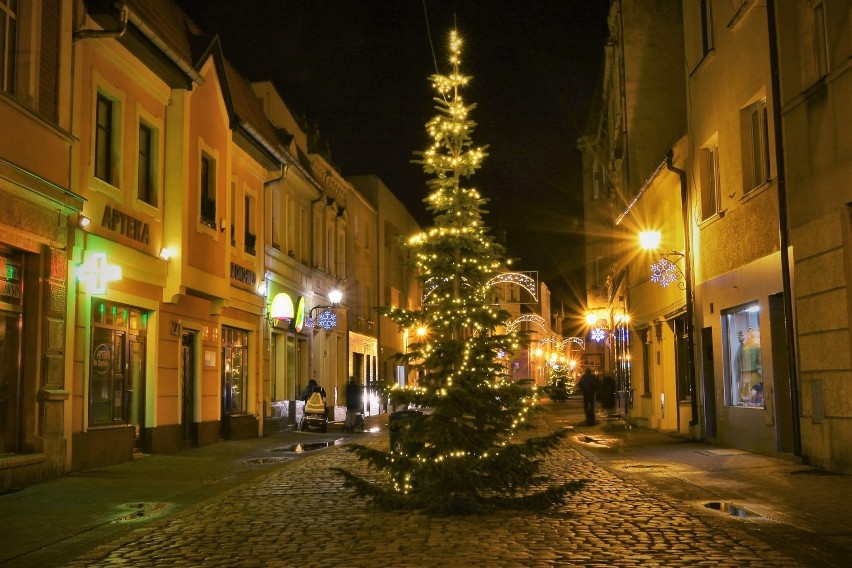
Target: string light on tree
(447,459)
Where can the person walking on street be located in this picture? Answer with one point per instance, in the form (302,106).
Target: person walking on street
(354,406)
(589,387)
(607,395)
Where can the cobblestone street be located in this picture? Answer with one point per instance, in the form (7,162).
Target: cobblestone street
(301,515)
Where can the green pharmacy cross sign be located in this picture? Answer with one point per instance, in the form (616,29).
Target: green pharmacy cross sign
(96,272)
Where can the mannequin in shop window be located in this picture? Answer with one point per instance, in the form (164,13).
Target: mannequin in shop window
(749,368)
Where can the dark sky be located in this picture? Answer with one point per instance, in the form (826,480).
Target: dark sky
(359,70)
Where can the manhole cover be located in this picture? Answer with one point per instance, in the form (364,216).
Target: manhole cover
(268,460)
(141,511)
(732,510)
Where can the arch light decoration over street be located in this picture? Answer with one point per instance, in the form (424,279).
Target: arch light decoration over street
(532,318)
(522,280)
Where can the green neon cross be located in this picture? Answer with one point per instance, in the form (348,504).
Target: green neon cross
(95,273)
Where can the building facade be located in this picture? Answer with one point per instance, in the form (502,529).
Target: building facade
(362,297)
(38,202)
(747,198)
(393,283)
(635,327)
(739,288)
(813,39)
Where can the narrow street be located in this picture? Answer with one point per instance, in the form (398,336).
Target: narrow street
(272,502)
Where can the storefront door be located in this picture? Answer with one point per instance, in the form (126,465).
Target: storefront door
(10,381)
(116,380)
(11,320)
(187,383)
(136,377)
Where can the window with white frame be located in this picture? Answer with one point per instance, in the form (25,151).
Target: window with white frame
(301,234)
(233,222)
(292,231)
(329,250)
(744,365)
(105,136)
(341,257)
(820,37)
(146,167)
(276,217)
(708,40)
(250,240)
(8,45)
(755,128)
(709,180)
(207,192)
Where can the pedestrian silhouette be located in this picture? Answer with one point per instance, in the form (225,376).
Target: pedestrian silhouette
(589,387)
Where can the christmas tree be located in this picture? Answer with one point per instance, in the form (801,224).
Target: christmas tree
(465,453)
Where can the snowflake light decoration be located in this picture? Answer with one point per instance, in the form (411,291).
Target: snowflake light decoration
(327,319)
(664,272)
(598,334)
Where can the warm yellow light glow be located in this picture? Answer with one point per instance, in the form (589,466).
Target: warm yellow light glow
(96,272)
(649,240)
(591,318)
(422,331)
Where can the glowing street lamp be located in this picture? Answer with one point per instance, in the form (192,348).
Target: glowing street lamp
(326,316)
(650,240)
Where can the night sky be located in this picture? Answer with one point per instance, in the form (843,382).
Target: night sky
(358,70)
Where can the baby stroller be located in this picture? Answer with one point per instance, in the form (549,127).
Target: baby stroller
(313,417)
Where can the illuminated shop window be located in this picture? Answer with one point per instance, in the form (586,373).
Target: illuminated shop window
(744,367)
(116,390)
(234,370)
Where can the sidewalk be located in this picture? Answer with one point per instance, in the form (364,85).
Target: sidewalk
(51,523)
(798,508)
(262,503)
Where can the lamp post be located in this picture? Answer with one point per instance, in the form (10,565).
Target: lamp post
(327,316)
(664,271)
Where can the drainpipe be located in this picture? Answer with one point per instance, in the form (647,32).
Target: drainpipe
(783,235)
(690,306)
(105,34)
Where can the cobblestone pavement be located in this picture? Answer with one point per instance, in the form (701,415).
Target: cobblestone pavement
(300,514)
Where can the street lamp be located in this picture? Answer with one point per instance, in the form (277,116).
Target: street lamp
(325,316)
(664,271)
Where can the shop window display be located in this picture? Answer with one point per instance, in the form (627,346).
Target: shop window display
(741,334)
(234,369)
(113,395)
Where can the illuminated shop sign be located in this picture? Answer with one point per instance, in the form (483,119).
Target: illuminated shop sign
(96,272)
(281,307)
(125,225)
(102,358)
(243,275)
(299,324)
(11,290)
